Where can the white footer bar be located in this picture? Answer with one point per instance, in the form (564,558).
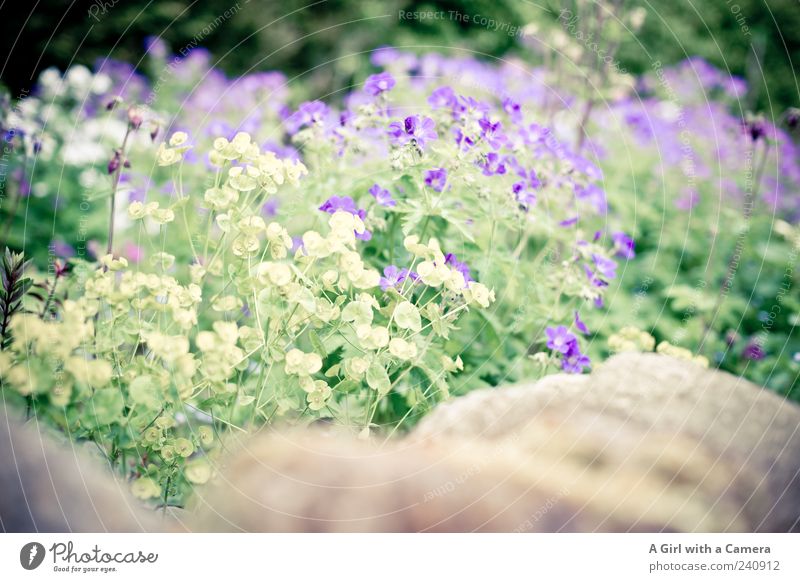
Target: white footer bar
(401,557)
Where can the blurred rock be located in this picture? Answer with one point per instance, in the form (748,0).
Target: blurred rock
(717,438)
(645,443)
(47,487)
(314,483)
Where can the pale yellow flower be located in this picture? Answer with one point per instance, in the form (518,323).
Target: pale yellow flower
(299,363)
(245,245)
(197,471)
(221,199)
(162,215)
(402,349)
(406,316)
(315,245)
(372,338)
(183,447)
(357,313)
(145,488)
(479,293)
(355,368)
(243,179)
(166,156)
(178,138)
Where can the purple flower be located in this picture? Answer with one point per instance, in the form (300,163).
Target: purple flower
(392,277)
(218,127)
(270,207)
(156,46)
(689,199)
(562,341)
(623,245)
(345,117)
(753,351)
(573,361)
(559,339)
(756,127)
(416,128)
(9,135)
(584,166)
(386,55)
(134,253)
(594,279)
(470,108)
(463,141)
(513,109)
(451,260)
(491,133)
(280,150)
(525,190)
(382,196)
(436,178)
(594,195)
(580,325)
(309,113)
(607,268)
(380,83)
(443,97)
(525,196)
(492,164)
(62,249)
(135,194)
(336,203)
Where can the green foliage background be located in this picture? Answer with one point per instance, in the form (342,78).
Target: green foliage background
(322,45)
(322,40)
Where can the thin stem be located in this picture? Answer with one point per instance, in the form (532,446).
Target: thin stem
(117,176)
(50,297)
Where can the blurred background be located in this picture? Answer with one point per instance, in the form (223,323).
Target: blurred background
(320,40)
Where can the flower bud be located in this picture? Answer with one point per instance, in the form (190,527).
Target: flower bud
(113,103)
(755,127)
(135,117)
(793,117)
(113,164)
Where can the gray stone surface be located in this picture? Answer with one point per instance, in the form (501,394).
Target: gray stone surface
(48,487)
(713,434)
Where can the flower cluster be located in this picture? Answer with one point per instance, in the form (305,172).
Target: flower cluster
(564,343)
(256,325)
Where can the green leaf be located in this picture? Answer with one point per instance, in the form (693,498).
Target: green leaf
(378,379)
(316,342)
(348,386)
(458,221)
(406,316)
(105,406)
(143,390)
(246,399)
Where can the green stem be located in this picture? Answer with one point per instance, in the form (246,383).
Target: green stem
(115,186)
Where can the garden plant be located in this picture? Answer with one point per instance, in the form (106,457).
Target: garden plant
(195,256)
